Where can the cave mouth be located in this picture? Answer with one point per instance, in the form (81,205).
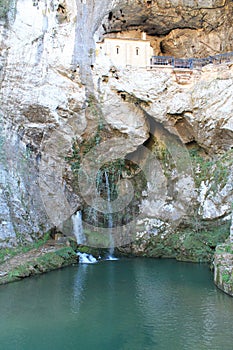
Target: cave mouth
(178,31)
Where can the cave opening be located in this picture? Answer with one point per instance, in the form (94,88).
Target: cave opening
(183,31)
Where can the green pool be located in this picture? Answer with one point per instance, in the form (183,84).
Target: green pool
(129,304)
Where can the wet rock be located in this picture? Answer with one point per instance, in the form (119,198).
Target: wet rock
(48,257)
(223,268)
(55,94)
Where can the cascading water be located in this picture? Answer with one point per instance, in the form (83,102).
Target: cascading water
(108,190)
(78,227)
(81,239)
(110,219)
(85,258)
(91,213)
(92,216)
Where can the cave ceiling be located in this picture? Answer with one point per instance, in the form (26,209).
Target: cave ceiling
(175,27)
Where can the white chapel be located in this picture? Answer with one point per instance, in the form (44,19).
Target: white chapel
(126,51)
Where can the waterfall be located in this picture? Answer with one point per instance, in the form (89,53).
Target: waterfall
(85,258)
(110,219)
(78,227)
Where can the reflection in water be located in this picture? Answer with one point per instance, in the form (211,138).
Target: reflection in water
(178,303)
(78,288)
(119,305)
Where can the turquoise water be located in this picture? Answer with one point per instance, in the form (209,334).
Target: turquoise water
(131,304)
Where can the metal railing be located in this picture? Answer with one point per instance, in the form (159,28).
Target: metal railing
(190,63)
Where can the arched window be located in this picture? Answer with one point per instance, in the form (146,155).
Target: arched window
(137,51)
(118,50)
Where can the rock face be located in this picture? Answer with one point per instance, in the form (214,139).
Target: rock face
(178,27)
(59,102)
(223,269)
(223,265)
(46,91)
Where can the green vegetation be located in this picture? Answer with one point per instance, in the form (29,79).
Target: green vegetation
(4,8)
(162,152)
(226,278)
(10,252)
(224,248)
(184,247)
(96,252)
(80,149)
(97,239)
(223,267)
(7,10)
(44,263)
(215,170)
(112,171)
(187,244)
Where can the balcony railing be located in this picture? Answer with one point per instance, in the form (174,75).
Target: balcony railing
(190,63)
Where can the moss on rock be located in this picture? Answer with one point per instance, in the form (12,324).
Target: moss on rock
(223,267)
(37,261)
(185,244)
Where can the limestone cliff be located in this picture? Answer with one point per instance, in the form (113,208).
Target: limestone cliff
(59,101)
(177,27)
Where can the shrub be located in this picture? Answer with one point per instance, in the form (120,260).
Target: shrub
(4,8)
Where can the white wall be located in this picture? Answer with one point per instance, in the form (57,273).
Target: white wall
(123,52)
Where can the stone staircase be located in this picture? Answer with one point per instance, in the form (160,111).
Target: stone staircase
(183,76)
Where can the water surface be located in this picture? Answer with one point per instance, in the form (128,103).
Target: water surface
(138,304)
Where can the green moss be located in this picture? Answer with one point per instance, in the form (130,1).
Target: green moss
(65,253)
(213,235)
(96,252)
(97,239)
(162,153)
(115,170)
(80,149)
(24,248)
(187,244)
(4,8)
(47,262)
(226,277)
(159,250)
(216,171)
(224,248)
(223,267)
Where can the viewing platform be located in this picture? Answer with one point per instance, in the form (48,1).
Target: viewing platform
(189,63)
(135,52)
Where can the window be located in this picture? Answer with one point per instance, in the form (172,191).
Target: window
(117,50)
(137,51)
